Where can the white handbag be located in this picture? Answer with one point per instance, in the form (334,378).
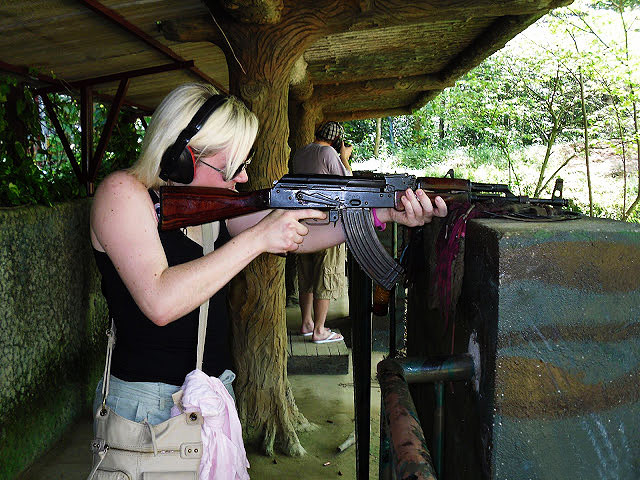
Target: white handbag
(128,450)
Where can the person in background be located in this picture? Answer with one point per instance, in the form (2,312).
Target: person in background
(321,275)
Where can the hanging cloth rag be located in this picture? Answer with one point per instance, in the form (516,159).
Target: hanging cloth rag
(223,455)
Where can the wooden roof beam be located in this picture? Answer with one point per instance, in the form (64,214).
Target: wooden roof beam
(337,116)
(418,83)
(423,99)
(122,22)
(385,13)
(251,11)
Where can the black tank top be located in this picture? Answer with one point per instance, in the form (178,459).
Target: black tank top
(145,352)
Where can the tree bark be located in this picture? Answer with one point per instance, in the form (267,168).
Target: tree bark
(585,125)
(260,60)
(547,154)
(376,148)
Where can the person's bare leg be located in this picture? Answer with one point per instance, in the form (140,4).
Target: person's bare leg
(306,305)
(320,310)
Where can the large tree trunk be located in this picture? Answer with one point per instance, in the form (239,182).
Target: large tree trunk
(265,402)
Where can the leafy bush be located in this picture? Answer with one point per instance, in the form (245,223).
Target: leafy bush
(34,168)
(420,157)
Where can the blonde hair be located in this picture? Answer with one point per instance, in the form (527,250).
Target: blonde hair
(231,128)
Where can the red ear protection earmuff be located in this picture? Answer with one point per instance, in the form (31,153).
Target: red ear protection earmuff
(178,162)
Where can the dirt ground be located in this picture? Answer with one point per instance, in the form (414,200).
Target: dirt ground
(326,401)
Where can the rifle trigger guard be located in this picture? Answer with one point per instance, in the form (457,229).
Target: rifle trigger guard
(332,217)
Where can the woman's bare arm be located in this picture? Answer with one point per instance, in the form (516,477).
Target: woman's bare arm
(123,225)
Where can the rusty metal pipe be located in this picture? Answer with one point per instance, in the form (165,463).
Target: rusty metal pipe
(402,442)
(439,368)
(410,456)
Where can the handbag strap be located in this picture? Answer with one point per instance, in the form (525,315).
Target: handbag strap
(210,232)
(111,340)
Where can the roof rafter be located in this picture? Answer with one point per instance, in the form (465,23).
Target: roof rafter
(122,22)
(345,91)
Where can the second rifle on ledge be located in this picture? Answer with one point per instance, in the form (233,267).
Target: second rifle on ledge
(348,199)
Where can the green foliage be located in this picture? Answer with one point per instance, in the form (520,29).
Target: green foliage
(422,156)
(361,134)
(34,167)
(518,117)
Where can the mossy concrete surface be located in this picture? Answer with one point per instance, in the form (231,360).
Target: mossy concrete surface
(52,323)
(554,310)
(551,311)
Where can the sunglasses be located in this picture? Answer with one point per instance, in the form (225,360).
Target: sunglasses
(238,171)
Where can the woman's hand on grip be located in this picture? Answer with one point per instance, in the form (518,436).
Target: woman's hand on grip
(281,230)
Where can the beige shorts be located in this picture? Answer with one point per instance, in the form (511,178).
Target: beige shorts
(322,273)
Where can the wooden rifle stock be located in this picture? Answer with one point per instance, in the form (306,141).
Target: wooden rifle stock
(185,206)
(449,198)
(444,184)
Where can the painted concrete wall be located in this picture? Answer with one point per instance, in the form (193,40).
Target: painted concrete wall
(567,378)
(52,323)
(553,310)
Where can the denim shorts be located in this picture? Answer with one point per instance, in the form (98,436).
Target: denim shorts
(150,401)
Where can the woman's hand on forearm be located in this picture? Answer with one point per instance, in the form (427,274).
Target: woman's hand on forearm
(418,209)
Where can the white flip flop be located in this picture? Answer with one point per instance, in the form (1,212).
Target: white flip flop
(333,337)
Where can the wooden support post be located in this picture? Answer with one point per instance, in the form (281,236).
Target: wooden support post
(360,298)
(96,159)
(86,132)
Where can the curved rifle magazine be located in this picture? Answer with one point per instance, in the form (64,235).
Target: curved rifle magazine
(367,249)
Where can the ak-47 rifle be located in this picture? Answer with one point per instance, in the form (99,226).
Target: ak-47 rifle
(349,199)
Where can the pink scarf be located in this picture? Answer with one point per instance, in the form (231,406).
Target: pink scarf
(223,456)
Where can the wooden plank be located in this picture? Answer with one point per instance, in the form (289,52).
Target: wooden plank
(298,347)
(322,348)
(342,349)
(306,357)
